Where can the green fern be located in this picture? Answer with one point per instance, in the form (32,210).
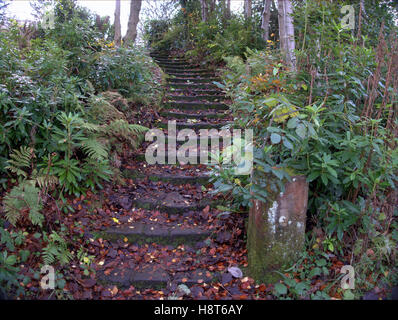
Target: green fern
(102,111)
(56,250)
(94,148)
(45,180)
(20,161)
(23,198)
(123,131)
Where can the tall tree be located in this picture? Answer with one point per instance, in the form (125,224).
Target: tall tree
(118,27)
(3,6)
(205,10)
(286,32)
(265,19)
(247,9)
(134,18)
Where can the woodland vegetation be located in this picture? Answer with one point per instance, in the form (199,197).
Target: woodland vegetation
(77,99)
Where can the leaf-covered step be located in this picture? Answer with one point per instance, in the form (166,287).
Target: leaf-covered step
(180,66)
(192,86)
(194,80)
(153,276)
(200,140)
(172,62)
(170,178)
(172,156)
(141,233)
(182,115)
(164,55)
(167,57)
(191,71)
(183,74)
(166,206)
(196,98)
(196,92)
(196,105)
(197,125)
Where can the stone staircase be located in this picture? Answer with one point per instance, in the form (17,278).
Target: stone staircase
(175,234)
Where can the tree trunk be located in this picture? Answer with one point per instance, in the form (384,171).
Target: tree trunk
(118,28)
(248,9)
(135,8)
(286,32)
(228,9)
(265,19)
(205,10)
(212,6)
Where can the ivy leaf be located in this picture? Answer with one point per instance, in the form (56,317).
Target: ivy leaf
(287,144)
(301,131)
(275,138)
(292,123)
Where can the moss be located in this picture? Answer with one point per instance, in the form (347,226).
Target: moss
(271,246)
(140,239)
(131,174)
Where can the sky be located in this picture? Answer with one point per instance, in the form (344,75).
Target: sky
(21,10)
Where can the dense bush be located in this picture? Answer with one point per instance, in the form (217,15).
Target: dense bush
(58,130)
(205,41)
(334,120)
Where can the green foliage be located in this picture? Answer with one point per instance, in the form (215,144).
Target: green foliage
(155,31)
(208,41)
(56,250)
(129,70)
(332,121)
(24,201)
(215,40)
(298,281)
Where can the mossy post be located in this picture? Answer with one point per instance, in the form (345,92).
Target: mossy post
(276,230)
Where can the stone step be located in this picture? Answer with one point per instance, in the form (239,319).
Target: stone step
(186,66)
(193,86)
(156,204)
(197,92)
(172,62)
(196,98)
(195,105)
(190,74)
(168,58)
(174,157)
(153,276)
(192,80)
(141,233)
(182,115)
(191,71)
(164,55)
(202,179)
(195,126)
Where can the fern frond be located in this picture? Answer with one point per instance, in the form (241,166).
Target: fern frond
(23,198)
(20,161)
(123,131)
(88,126)
(102,111)
(46,181)
(94,148)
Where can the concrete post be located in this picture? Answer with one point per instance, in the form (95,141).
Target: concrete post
(276,230)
